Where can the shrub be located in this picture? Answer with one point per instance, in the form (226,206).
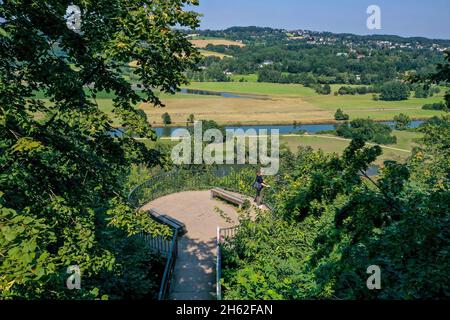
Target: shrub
(341,116)
(402,122)
(166,118)
(368,130)
(394,91)
(435,106)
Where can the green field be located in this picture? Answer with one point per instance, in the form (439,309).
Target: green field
(284,104)
(261,88)
(270,103)
(400,151)
(406,141)
(246,77)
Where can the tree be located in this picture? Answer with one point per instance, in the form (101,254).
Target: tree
(326,89)
(394,91)
(62,201)
(166,118)
(443,75)
(421,91)
(333,221)
(191,118)
(341,116)
(367,130)
(402,122)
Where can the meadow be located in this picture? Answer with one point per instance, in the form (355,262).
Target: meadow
(271,103)
(207,53)
(202,42)
(401,151)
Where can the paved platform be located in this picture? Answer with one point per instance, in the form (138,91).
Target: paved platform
(194,275)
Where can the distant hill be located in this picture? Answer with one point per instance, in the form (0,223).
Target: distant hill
(253,33)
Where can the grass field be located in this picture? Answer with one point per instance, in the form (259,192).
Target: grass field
(201,43)
(405,140)
(282,104)
(332,144)
(207,53)
(272,104)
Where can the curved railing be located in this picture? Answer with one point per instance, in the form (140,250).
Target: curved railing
(232,178)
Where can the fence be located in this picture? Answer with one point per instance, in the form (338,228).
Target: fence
(233,178)
(168,270)
(158,245)
(222,235)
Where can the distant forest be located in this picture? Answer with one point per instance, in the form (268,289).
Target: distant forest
(311,58)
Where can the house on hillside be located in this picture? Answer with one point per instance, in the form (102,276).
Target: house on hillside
(266,63)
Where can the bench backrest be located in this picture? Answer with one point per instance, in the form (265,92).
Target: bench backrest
(165,219)
(223,193)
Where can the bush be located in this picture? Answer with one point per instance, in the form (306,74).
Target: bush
(435,106)
(166,118)
(341,116)
(394,91)
(368,130)
(402,122)
(347,90)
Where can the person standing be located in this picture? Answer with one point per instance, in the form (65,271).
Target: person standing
(259,185)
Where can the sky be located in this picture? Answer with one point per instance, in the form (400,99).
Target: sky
(430,18)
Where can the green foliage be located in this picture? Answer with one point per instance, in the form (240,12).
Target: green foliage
(63,201)
(309,62)
(331,222)
(421,91)
(435,106)
(325,89)
(368,130)
(394,91)
(402,122)
(341,116)
(348,90)
(166,118)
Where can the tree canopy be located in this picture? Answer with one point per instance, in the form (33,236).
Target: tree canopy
(62,200)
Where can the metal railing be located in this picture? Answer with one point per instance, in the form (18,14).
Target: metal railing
(158,245)
(233,178)
(222,235)
(166,281)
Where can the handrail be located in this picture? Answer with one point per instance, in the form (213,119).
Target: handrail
(180,180)
(168,270)
(222,235)
(218,267)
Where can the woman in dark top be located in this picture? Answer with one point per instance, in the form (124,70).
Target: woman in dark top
(259,185)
